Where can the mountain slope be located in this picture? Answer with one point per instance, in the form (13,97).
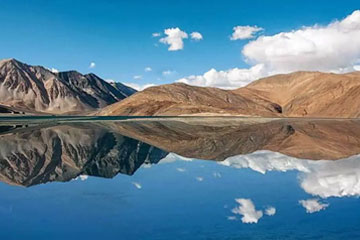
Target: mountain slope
(35,88)
(299,94)
(311,94)
(182,99)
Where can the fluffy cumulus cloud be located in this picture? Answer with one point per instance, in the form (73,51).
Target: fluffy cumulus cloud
(196,36)
(92,65)
(244,32)
(323,178)
(247,209)
(148,69)
(270,211)
(325,48)
(329,48)
(229,79)
(174,38)
(313,205)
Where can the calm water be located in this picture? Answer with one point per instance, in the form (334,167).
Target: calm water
(179,178)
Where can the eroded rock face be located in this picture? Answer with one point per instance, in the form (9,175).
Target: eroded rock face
(37,89)
(41,154)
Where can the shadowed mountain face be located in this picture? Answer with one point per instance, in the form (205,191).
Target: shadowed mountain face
(31,155)
(37,89)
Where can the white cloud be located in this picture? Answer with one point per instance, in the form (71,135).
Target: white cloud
(270,211)
(82,177)
(217,175)
(168,72)
(174,38)
(231,218)
(329,48)
(172,157)
(156,34)
(148,69)
(244,32)
(229,79)
(92,65)
(196,36)
(139,87)
(199,179)
(137,77)
(313,205)
(323,178)
(137,185)
(247,209)
(321,48)
(181,169)
(54,70)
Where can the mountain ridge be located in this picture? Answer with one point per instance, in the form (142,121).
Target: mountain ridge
(37,89)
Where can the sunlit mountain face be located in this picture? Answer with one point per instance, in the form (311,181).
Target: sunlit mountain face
(188,178)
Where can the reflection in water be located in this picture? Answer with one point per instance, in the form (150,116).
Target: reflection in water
(34,154)
(323,153)
(41,154)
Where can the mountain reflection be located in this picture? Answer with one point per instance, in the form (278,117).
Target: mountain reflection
(38,153)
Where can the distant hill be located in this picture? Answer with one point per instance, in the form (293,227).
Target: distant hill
(299,94)
(37,89)
(179,98)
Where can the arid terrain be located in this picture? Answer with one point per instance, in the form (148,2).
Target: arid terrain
(37,90)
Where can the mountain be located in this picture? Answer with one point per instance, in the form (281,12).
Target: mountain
(37,89)
(299,94)
(182,99)
(312,94)
(40,154)
(125,90)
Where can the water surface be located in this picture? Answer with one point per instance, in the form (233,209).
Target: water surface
(179,178)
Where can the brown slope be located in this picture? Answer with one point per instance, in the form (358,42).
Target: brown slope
(311,94)
(182,99)
(218,139)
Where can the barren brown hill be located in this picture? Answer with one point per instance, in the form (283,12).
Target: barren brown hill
(311,94)
(299,94)
(218,139)
(182,99)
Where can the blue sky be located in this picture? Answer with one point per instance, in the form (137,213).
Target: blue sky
(117,35)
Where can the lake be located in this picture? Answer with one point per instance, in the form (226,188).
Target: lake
(179,178)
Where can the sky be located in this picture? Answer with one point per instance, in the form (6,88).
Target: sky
(223,44)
